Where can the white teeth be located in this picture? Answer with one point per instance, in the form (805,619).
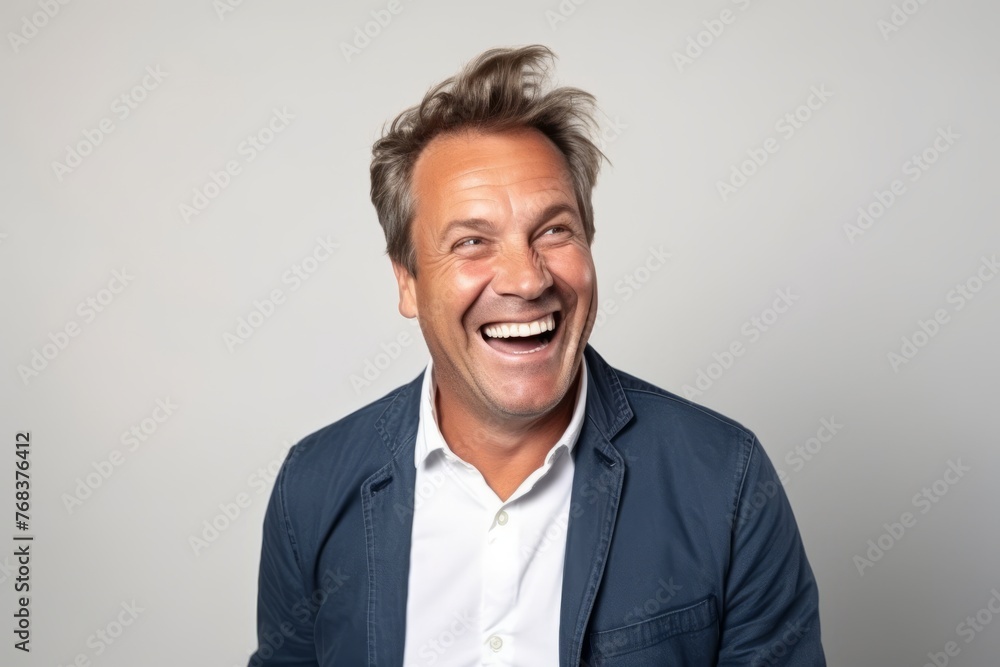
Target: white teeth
(521,330)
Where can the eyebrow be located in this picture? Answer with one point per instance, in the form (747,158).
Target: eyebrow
(484,225)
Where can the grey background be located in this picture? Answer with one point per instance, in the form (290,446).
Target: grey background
(671,132)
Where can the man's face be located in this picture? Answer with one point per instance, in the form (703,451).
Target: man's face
(501,256)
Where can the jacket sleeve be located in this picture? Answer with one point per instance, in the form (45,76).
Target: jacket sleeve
(771,609)
(284,616)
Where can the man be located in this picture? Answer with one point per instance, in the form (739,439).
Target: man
(521,502)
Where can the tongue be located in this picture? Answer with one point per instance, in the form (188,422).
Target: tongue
(516,345)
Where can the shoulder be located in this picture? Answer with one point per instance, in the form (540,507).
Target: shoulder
(649,401)
(667,432)
(363,440)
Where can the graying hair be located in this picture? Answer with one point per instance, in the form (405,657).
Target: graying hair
(501,90)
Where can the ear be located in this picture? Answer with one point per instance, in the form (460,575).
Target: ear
(407,291)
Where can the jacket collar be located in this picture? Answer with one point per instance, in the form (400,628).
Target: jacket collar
(387,505)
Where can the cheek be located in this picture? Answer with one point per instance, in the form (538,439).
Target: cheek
(452,294)
(575,269)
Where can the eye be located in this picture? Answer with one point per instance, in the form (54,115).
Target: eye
(472,244)
(560,231)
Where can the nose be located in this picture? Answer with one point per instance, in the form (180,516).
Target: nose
(521,272)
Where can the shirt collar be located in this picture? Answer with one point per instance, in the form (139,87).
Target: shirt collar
(429,438)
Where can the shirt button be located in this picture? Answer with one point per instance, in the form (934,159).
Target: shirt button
(496,643)
(502,518)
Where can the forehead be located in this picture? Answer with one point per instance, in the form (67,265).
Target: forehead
(470,167)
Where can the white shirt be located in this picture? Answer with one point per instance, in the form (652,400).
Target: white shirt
(485,581)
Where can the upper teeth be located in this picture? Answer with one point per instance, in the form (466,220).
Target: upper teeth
(517,329)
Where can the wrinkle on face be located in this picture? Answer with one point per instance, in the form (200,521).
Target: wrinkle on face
(509,200)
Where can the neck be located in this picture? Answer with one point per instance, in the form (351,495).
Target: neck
(504,450)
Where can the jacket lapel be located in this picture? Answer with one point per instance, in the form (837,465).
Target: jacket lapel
(599,471)
(387,503)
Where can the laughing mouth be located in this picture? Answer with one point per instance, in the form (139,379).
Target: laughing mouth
(520,337)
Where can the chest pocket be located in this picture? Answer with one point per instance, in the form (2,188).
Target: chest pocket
(687,637)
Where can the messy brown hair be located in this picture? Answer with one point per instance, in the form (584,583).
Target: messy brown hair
(501,90)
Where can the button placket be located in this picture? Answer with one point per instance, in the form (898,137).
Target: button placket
(501,568)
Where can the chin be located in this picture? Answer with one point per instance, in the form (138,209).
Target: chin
(531,404)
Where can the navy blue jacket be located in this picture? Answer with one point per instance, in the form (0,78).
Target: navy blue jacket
(681,547)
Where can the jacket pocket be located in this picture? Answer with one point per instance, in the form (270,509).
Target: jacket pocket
(687,636)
